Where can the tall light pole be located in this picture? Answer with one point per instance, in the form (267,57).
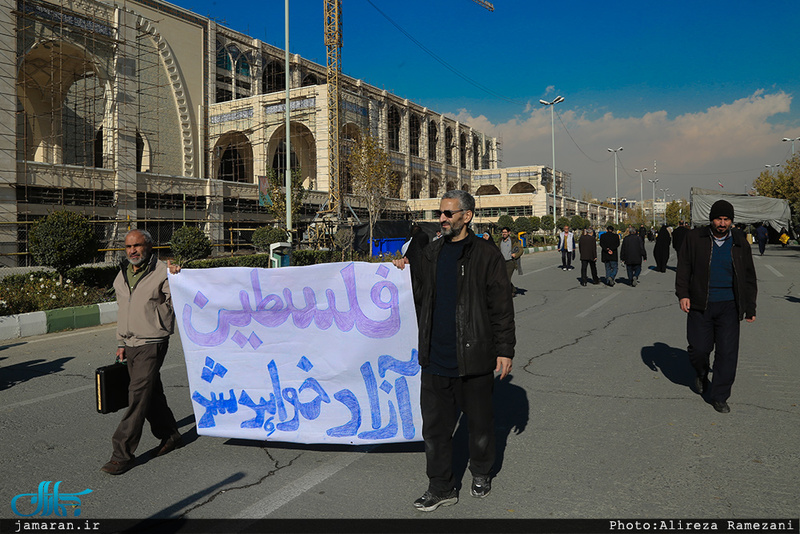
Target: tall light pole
(288,176)
(557,100)
(773,167)
(641,187)
(664,199)
(792,140)
(616,186)
(654,182)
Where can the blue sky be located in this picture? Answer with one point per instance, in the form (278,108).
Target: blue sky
(706,89)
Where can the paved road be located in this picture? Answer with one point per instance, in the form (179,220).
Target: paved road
(597,421)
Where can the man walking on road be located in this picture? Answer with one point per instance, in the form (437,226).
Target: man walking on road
(716,285)
(145,320)
(633,253)
(466,333)
(609,243)
(566,244)
(511,249)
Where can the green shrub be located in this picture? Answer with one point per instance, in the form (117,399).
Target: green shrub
(62,240)
(189,243)
(267,235)
(23,293)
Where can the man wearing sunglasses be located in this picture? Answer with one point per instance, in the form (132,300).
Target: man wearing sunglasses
(466,333)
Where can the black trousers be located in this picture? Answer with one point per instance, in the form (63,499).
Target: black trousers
(146,401)
(593,265)
(566,258)
(441,397)
(716,328)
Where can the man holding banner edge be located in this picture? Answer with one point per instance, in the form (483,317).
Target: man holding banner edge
(466,324)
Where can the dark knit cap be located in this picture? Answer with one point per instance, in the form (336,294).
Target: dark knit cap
(721,208)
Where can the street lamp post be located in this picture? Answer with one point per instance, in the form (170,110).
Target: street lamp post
(616,186)
(641,187)
(792,141)
(654,182)
(552,104)
(773,167)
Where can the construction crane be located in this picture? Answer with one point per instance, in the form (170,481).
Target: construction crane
(333,44)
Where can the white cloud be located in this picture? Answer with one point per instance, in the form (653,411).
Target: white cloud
(730,142)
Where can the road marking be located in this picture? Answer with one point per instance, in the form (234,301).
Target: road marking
(50,337)
(774,270)
(288,493)
(597,305)
(9,407)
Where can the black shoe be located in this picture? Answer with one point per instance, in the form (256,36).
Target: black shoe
(721,406)
(583,283)
(481,486)
(430,502)
(700,382)
(595,282)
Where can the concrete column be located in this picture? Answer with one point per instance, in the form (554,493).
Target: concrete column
(8,133)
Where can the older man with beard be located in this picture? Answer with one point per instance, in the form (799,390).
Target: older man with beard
(145,320)
(466,333)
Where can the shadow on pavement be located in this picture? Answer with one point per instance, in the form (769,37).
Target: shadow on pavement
(672,362)
(24,371)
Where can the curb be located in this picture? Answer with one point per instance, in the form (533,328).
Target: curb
(45,322)
(541,249)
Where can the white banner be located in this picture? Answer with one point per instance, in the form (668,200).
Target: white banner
(318,354)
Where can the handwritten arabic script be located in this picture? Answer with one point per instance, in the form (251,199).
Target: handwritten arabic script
(318,354)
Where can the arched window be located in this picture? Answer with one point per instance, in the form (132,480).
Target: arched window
(433,140)
(243,66)
(223,59)
(476,152)
(394,128)
(448,146)
(462,149)
(310,79)
(279,161)
(413,135)
(274,78)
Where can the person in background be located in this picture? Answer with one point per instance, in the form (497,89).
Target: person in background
(566,244)
(661,249)
(678,235)
(762,236)
(632,254)
(511,249)
(587,245)
(609,245)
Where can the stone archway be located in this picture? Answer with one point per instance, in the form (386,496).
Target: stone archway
(233,158)
(63,93)
(304,153)
(522,187)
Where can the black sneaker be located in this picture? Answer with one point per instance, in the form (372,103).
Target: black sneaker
(481,486)
(430,502)
(721,406)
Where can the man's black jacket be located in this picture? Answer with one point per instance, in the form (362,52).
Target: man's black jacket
(484,310)
(609,240)
(694,262)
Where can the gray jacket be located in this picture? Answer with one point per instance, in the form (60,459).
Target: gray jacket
(144,315)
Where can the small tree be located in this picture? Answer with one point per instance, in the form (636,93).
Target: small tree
(562,222)
(189,243)
(276,200)
(524,224)
(577,222)
(505,220)
(267,235)
(536,224)
(372,177)
(62,240)
(547,223)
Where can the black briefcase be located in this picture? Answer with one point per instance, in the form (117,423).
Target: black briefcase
(112,387)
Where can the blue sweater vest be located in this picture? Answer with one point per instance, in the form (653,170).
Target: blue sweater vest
(720,283)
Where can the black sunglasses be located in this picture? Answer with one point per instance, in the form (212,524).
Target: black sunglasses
(447,213)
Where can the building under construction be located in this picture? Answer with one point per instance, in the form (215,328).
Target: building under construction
(143,114)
